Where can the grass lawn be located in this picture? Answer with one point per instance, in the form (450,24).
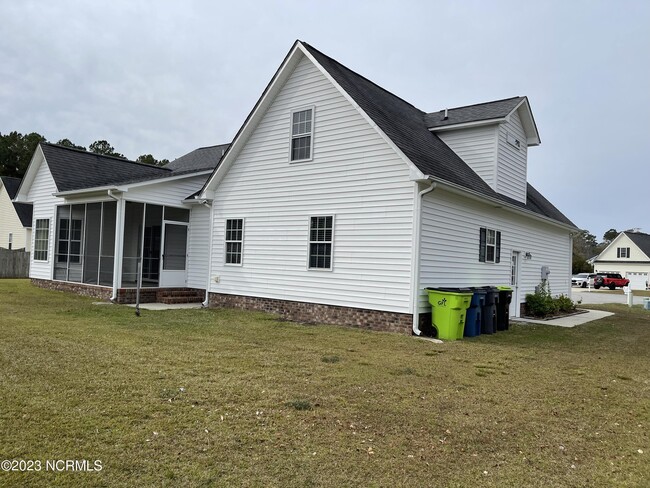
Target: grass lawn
(232,398)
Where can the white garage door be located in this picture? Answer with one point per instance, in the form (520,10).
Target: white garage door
(637,280)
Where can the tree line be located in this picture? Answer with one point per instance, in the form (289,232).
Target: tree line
(16,151)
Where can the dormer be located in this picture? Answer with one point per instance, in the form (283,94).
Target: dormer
(493,139)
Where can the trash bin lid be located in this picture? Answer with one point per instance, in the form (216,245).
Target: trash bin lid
(449,289)
(504,287)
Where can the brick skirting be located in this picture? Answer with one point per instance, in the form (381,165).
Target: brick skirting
(319,313)
(124,295)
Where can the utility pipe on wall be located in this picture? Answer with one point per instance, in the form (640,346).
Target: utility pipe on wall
(415,273)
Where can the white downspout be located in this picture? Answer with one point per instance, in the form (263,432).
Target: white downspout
(206,302)
(415,274)
(118,240)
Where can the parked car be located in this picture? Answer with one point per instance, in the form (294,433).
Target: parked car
(610,280)
(583,279)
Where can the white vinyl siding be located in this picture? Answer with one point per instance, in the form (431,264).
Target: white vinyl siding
(11,224)
(354,175)
(170,193)
(511,167)
(449,247)
(40,193)
(198,247)
(476,146)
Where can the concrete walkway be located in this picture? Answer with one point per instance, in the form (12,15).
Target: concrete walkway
(570,321)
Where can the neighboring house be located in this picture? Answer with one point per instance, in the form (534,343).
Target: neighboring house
(101,222)
(338,202)
(629,255)
(15,218)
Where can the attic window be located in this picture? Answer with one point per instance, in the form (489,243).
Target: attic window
(513,141)
(622,252)
(302,134)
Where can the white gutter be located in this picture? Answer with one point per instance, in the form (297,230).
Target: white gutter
(415,260)
(209,205)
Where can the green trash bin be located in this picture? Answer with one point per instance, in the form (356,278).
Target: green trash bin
(448,309)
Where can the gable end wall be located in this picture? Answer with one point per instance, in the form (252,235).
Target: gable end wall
(354,176)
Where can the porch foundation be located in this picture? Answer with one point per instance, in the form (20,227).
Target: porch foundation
(125,295)
(317,313)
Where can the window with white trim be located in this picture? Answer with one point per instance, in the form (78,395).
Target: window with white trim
(11,240)
(622,252)
(489,246)
(302,134)
(41,239)
(320,242)
(234,241)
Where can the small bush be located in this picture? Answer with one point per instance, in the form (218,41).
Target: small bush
(542,304)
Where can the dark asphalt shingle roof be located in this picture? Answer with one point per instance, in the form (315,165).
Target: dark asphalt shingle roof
(640,239)
(11,184)
(473,113)
(75,169)
(23,210)
(406,126)
(203,158)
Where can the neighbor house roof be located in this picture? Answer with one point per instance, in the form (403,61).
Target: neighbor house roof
(497,109)
(641,240)
(203,158)
(23,210)
(407,127)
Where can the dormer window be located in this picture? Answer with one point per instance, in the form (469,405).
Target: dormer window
(302,134)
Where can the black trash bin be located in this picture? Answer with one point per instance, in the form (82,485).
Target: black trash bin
(503,307)
(489,310)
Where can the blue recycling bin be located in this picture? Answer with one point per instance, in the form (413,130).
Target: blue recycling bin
(473,320)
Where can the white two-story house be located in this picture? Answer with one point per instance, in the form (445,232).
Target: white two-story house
(339,202)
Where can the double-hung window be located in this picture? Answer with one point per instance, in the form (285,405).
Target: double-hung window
(41,239)
(489,246)
(234,241)
(302,134)
(320,242)
(622,252)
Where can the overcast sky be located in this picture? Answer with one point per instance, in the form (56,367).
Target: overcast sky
(165,77)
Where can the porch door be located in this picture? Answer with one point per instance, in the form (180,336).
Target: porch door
(514,283)
(174,255)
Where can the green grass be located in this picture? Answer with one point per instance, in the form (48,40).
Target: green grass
(232,398)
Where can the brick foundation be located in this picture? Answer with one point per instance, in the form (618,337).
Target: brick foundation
(319,313)
(125,295)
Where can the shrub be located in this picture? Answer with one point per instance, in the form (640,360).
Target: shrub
(542,304)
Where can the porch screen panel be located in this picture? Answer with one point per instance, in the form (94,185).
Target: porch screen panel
(75,258)
(152,240)
(133,227)
(62,243)
(107,250)
(92,239)
(175,247)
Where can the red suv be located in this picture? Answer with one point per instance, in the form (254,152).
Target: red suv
(610,280)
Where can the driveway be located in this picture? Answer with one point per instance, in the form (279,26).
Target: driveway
(600,297)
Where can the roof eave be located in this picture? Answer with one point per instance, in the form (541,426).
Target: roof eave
(467,125)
